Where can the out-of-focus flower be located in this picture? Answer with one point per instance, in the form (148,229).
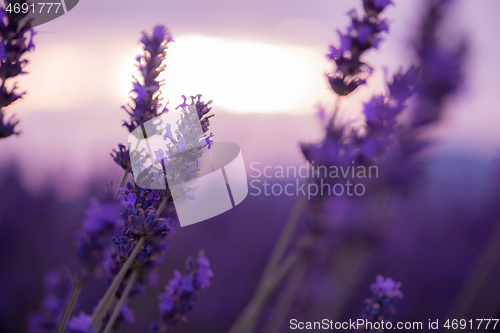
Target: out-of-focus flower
(126,316)
(361,35)
(58,287)
(342,85)
(16,39)
(344,145)
(180,293)
(442,65)
(380,307)
(375,7)
(147,101)
(80,324)
(95,235)
(121,157)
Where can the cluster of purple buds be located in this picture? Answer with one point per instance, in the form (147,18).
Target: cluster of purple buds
(126,316)
(58,288)
(121,156)
(442,65)
(181,292)
(363,34)
(380,307)
(16,39)
(203,109)
(343,146)
(140,219)
(179,157)
(94,237)
(381,114)
(147,101)
(80,324)
(133,196)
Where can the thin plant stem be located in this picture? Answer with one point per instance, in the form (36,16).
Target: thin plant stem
(252,311)
(276,256)
(122,181)
(162,206)
(287,264)
(285,299)
(69,309)
(122,300)
(477,276)
(110,293)
(284,239)
(335,111)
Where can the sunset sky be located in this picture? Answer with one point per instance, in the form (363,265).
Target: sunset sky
(264,56)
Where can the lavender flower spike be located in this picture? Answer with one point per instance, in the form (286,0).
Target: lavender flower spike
(147,103)
(14,32)
(380,307)
(81,324)
(94,239)
(362,35)
(121,157)
(180,293)
(58,288)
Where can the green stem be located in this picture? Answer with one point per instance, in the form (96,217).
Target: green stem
(162,206)
(70,307)
(122,181)
(251,313)
(283,240)
(335,110)
(275,258)
(274,279)
(285,299)
(477,276)
(122,300)
(110,293)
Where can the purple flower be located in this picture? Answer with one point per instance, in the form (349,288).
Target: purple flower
(181,291)
(58,287)
(380,307)
(442,65)
(147,101)
(121,157)
(133,196)
(16,40)
(95,235)
(362,34)
(81,324)
(375,7)
(343,86)
(387,287)
(209,141)
(129,200)
(7,128)
(145,223)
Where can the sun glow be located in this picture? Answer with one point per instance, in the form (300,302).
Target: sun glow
(239,76)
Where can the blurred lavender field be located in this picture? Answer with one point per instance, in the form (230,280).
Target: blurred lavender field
(445,226)
(442,224)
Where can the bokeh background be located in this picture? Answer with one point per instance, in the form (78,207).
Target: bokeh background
(262,64)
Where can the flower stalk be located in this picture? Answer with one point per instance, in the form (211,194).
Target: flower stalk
(110,293)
